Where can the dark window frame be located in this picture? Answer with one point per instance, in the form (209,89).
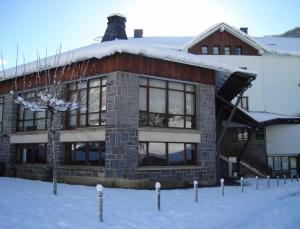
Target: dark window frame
(70,154)
(148,161)
(165,116)
(78,113)
(2,114)
(33,147)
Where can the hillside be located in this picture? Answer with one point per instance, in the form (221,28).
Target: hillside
(295,33)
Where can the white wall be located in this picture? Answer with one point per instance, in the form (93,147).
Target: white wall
(283,139)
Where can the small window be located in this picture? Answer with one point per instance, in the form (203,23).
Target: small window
(238,50)
(270,162)
(245,103)
(216,50)
(204,50)
(227,50)
(242,134)
(277,163)
(285,163)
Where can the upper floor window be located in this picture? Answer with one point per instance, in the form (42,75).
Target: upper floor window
(245,103)
(91,95)
(216,50)
(28,120)
(242,134)
(204,50)
(166,104)
(85,153)
(227,50)
(31,153)
(238,50)
(1,113)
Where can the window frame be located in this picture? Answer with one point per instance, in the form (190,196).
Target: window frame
(33,147)
(166,115)
(2,114)
(238,50)
(204,47)
(216,47)
(227,47)
(281,164)
(244,103)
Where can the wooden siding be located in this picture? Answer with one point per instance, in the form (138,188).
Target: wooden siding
(117,62)
(223,39)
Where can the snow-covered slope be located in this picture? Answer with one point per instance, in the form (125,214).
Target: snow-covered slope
(31,204)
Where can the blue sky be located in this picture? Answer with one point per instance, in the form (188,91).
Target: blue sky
(37,24)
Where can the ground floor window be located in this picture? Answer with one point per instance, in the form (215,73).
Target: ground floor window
(162,153)
(31,154)
(85,153)
(282,163)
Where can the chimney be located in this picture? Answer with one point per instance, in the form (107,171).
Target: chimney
(115,28)
(244,29)
(138,33)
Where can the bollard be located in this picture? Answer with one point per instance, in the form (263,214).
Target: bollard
(292,176)
(157,188)
(268,181)
(222,186)
(256,178)
(242,184)
(297,177)
(284,179)
(196,190)
(99,189)
(277,180)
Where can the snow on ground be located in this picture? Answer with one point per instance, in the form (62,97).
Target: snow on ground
(31,204)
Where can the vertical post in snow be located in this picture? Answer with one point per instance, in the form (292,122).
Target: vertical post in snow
(284,179)
(292,176)
(222,186)
(99,189)
(268,181)
(256,179)
(157,188)
(242,184)
(196,190)
(297,178)
(277,180)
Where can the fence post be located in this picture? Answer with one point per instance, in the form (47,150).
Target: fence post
(157,188)
(256,178)
(242,184)
(99,189)
(196,190)
(268,181)
(222,186)
(292,176)
(284,179)
(277,180)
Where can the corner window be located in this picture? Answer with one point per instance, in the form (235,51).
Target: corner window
(204,50)
(91,95)
(238,50)
(216,50)
(227,50)
(31,154)
(85,153)
(166,104)
(1,113)
(161,154)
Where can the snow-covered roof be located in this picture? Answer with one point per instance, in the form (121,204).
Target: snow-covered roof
(261,117)
(131,46)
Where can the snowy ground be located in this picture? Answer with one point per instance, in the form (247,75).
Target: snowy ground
(30,204)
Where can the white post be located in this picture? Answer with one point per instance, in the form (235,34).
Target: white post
(196,190)
(157,188)
(222,186)
(284,179)
(242,184)
(277,180)
(268,181)
(99,189)
(256,178)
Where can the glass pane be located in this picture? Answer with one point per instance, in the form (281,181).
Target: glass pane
(20,126)
(176,86)
(72,121)
(73,97)
(157,120)
(176,153)
(94,83)
(143,81)
(293,163)
(80,152)
(94,154)
(189,87)
(285,163)
(94,99)
(176,121)
(28,114)
(40,124)
(21,111)
(143,160)
(40,114)
(190,122)
(143,99)
(103,118)
(277,163)
(82,84)
(191,154)
(143,119)
(157,83)
(93,119)
(227,50)
(82,100)
(72,86)
(157,153)
(215,50)
(28,125)
(176,102)
(82,121)
(270,162)
(157,100)
(103,99)
(102,155)
(204,50)
(40,153)
(104,81)
(190,104)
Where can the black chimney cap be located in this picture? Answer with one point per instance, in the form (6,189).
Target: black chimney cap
(115,28)
(244,29)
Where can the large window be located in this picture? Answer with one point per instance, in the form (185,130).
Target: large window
(1,113)
(282,163)
(30,120)
(85,153)
(161,153)
(31,154)
(91,96)
(166,104)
